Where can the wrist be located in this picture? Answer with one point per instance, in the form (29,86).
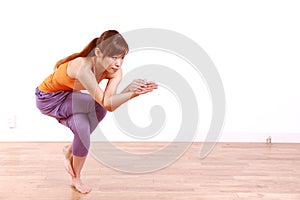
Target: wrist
(133,94)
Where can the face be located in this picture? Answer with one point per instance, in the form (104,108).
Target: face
(112,64)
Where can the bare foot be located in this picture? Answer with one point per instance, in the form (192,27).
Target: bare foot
(79,186)
(68,160)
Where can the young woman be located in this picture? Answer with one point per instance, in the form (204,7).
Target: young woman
(59,95)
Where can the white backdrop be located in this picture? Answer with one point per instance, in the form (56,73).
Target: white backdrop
(255,46)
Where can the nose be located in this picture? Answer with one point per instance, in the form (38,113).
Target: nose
(118,62)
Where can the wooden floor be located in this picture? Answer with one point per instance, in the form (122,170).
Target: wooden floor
(231,171)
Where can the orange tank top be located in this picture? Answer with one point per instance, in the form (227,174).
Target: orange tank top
(58,81)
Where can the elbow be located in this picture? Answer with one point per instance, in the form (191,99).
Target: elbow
(108,107)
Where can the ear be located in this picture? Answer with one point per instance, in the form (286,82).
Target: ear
(98,52)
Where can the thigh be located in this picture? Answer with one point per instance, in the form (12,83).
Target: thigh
(77,102)
(49,102)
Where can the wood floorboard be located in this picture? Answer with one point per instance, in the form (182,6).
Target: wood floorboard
(231,171)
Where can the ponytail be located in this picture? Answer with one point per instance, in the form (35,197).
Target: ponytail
(108,45)
(85,52)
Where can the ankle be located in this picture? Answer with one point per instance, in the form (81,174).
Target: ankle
(68,156)
(76,178)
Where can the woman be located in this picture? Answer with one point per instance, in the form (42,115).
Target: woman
(59,95)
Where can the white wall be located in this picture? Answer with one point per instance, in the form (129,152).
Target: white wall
(255,46)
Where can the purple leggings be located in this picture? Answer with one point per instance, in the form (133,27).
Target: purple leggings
(76,110)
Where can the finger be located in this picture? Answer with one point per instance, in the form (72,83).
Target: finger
(140,83)
(152,84)
(142,90)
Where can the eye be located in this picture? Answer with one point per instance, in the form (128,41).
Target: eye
(115,57)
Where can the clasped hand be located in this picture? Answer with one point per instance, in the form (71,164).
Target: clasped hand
(141,86)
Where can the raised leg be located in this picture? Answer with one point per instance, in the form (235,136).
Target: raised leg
(68,160)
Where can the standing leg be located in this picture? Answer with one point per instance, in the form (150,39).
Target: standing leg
(94,119)
(80,126)
(81,114)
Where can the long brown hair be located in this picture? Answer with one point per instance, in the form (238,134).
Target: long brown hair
(110,43)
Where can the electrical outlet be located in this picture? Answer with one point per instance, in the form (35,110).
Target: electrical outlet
(12,121)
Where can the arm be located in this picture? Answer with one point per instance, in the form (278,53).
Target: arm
(112,100)
(108,98)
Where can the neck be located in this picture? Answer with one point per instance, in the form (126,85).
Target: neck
(97,67)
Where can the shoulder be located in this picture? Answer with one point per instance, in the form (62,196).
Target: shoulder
(78,64)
